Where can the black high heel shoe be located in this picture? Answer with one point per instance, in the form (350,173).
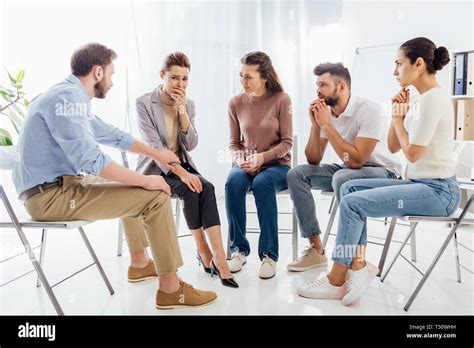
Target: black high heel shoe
(211,271)
(230,282)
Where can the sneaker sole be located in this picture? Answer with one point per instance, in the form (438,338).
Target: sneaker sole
(184,306)
(239,269)
(141,279)
(266,277)
(302,269)
(305,294)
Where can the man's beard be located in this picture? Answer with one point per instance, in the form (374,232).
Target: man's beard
(100,89)
(331,100)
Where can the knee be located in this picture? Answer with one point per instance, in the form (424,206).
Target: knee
(236,182)
(294,176)
(339,178)
(190,196)
(261,184)
(159,199)
(207,186)
(345,188)
(349,203)
(298,173)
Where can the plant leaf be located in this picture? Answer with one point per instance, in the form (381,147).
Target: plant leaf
(5,138)
(26,102)
(12,79)
(7,97)
(20,76)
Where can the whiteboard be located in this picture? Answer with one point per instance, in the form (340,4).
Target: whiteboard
(372,78)
(372,74)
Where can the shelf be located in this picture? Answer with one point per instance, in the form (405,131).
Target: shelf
(460,52)
(456,97)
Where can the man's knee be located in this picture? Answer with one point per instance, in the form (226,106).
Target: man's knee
(294,175)
(340,177)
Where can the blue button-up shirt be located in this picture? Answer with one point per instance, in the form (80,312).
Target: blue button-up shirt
(61,136)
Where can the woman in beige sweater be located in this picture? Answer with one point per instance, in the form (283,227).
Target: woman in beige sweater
(260,142)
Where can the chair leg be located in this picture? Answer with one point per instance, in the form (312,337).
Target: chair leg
(413,246)
(120,239)
(330,222)
(386,246)
(39,271)
(295,235)
(30,252)
(456,257)
(178,215)
(430,269)
(330,205)
(404,242)
(42,252)
(96,260)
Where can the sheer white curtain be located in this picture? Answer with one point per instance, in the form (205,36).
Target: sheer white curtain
(215,35)
(297,35)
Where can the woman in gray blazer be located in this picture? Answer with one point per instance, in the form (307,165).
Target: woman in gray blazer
(166,121)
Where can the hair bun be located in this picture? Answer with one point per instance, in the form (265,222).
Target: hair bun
(441,57)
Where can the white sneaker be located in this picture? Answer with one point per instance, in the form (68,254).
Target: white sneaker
(321,288)
(267,268)
(358,281)
(237,261)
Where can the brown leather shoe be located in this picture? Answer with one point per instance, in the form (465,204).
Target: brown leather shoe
(186,296)
(136,275)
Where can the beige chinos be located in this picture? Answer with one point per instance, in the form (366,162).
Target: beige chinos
(147,216)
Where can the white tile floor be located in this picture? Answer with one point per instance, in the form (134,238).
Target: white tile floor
(87,294)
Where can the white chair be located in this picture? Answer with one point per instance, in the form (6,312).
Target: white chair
(294,228)
(455,221)
(386,244)
(177,214)
(20,224)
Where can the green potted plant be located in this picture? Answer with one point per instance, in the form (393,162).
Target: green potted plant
(13,105)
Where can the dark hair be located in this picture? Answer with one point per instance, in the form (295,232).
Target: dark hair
(265,69)
(334,69)
(86,57)
(435,58)
(176,58)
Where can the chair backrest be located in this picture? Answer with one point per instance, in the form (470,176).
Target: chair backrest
(294,155)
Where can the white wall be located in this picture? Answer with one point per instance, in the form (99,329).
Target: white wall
(446,23)
(40,37)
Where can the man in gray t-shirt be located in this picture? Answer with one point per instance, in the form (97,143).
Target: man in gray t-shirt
(356,130)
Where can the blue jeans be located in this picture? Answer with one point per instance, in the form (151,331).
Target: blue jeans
(327,177)
(264,186)
(385,198)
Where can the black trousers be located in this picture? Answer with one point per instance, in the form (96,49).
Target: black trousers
(200,209)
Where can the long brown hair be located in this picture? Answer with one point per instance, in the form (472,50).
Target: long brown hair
(265,69)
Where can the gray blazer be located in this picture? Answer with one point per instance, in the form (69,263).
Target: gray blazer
(152,126)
